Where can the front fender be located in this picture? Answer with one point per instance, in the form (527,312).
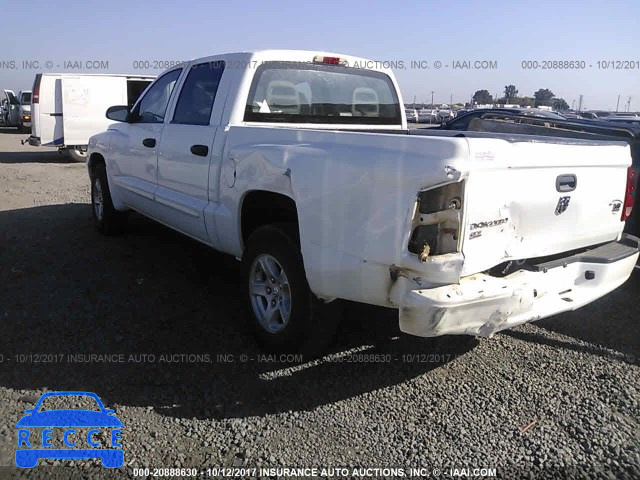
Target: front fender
(98,150)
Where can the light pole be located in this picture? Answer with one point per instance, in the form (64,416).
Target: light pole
(618,103)
(431,98)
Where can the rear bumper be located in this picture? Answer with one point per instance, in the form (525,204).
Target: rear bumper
(482,305)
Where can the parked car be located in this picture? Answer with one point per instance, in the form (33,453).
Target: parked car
(445,114)
(326,199)
(588,115)
(10,109)
(624,119)
(511,121)
(24,110)
(412,115)
(462,120)
(428,115)
(68,108)
(3,111)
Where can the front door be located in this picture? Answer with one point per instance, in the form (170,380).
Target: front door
(133,159)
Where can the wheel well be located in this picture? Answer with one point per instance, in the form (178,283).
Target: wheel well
(95,160)
(261,208)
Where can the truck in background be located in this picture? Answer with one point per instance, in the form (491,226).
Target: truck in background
(24,110)
(9,115)
(67,109)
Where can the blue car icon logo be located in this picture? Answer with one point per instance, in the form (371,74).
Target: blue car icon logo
(101,440)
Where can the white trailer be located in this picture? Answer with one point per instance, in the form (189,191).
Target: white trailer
(67,109)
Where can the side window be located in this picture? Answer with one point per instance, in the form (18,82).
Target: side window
(198,93)
(135,89)
(153,105)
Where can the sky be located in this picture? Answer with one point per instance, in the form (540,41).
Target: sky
(504,34)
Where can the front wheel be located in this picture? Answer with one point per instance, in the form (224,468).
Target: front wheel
(108,220)
(285,315)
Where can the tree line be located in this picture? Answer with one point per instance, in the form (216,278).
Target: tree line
(543,97)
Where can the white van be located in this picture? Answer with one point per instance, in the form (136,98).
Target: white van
(67,109)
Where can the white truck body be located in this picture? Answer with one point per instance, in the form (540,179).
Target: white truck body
(545,211)
(67,109)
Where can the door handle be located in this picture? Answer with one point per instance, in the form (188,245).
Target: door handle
(566,183)
(200,150)
(149,142)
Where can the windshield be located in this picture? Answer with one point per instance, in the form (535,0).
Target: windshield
(25,98)
(310,93)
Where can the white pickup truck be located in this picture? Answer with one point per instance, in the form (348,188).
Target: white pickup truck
(301,165)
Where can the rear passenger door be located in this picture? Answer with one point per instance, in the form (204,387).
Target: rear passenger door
(186,151)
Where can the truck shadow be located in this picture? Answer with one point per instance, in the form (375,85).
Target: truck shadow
(154,319)
(604,328)
(35,156)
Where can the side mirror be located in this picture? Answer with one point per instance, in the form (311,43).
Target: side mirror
(109,411)
(119,113)
(30,410)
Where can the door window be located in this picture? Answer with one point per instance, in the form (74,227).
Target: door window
(152,107)
(198,93)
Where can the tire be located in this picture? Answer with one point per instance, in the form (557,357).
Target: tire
(109,221)
(285,315)
(77,155)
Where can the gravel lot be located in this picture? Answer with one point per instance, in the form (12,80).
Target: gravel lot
(557,399)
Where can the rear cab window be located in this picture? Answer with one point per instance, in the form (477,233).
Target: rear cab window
(299,92)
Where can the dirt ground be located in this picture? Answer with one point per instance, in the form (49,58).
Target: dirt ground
(171,354)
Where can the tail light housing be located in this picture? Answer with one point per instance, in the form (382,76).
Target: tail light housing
(35,94)
(437,221)
(330,60)
(629,194)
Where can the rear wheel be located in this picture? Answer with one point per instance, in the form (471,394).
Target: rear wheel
(285,315)
(108,220)
(77,154)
